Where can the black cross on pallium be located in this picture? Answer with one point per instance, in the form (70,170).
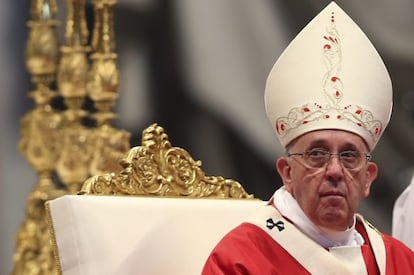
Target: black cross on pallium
(271,224)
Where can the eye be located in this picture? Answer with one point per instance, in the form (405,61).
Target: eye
(349,154)
(350,158)
(317,153)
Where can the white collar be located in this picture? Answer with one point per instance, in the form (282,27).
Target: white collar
(289,208)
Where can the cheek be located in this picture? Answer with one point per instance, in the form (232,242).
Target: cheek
(359,186)
(307,198)
(304,187)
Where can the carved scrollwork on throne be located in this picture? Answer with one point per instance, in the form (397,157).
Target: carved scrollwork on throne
(156,168)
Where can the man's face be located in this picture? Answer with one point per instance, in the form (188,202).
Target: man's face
(328,195)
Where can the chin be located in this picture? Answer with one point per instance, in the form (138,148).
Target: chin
(335,221)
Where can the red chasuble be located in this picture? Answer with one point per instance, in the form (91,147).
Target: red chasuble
(248,249)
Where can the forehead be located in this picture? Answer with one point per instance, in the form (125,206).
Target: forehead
(330,138)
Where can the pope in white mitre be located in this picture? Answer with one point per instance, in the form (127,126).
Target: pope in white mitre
(329,99)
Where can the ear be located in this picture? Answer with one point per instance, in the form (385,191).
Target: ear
(371,175)
(284,170)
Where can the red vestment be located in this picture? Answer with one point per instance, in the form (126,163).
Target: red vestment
(248,249)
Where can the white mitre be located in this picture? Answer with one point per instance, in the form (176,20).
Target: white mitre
(329,77)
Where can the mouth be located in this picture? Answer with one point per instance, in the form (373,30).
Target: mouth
(333,199)
(332,194)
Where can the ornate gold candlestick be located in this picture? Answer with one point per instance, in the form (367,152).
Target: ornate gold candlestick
(110,144)
(39,140)
(72,78)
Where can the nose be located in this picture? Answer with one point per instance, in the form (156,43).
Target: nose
(334,169)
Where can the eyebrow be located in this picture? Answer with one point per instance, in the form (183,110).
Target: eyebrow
(322,142)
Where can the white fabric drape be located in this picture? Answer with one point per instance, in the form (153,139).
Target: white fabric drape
(403,218)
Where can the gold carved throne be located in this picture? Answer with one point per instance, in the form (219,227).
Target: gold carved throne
(156,168)
(159,215)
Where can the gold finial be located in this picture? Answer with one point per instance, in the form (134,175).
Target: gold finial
(72,166)
(43,10)
(110,144)
(104,79)
(76,27)
(42,52)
